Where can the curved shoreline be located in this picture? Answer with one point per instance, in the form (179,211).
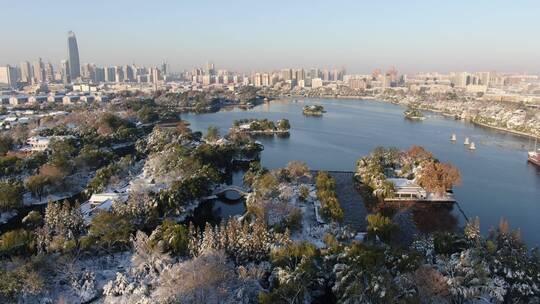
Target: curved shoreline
(441,112)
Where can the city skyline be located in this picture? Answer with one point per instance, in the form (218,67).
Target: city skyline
(415,37)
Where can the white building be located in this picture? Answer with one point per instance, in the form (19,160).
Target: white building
(316,83)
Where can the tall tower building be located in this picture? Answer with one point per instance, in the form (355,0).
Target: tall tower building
(164,68)
(26,72)
(73,56)
(39,71)
(49,72)
(110,74)
(8,76)
(64,71)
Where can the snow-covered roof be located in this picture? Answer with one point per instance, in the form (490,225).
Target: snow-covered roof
(102,197)
(403,182)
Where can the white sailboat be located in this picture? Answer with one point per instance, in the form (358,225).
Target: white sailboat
(472,146)
(453,138)
(466,142)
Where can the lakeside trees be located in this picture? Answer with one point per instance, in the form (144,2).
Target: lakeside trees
(313,110)
(11,194)
(415,164)
(263,126)
(438,177)
(326,194)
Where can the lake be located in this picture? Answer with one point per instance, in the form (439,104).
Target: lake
(497,181)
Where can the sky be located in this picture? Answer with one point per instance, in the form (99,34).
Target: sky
(413,36)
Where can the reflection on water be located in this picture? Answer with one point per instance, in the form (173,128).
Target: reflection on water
(214,211)
(435,217)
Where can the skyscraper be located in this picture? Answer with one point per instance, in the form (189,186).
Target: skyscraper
(39,71)
(8,76)
(49,72)
(64,71)
(73,57)
(26,72)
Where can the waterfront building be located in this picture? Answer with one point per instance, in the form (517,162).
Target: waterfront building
(73,57)
(357,83)
(316,83)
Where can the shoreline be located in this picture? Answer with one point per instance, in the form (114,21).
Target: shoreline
(441,112)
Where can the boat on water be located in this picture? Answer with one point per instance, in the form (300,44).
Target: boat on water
(466,142)
(534,155)
(472,146)
(453,138)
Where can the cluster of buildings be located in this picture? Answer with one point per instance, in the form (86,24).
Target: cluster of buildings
(39,77)
(71,71)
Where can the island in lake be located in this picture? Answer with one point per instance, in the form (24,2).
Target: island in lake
(413,114)
(313,110)
(261,126)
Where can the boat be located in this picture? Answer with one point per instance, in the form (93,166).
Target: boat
(472,146)
(534,155)
(466,142)
(453,138)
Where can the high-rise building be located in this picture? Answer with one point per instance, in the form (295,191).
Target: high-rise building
(257,79)
(64,71)
(129,76)
(164,68)
(286,74)
(156,75)
(300,74)
(210,69)
(73,56)
(39,71)
(26,72)
(100,74)
(265,80)
(8,76)
(118,74)
(326,75)
(49,72)
(110,74)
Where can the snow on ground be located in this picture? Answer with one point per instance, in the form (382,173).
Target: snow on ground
(91,273)
(312,230)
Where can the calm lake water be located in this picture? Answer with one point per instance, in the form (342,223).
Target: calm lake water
(497,181)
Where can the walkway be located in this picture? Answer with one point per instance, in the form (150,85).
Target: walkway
(222,189)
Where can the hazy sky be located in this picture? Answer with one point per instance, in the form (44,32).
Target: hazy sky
(249,35)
